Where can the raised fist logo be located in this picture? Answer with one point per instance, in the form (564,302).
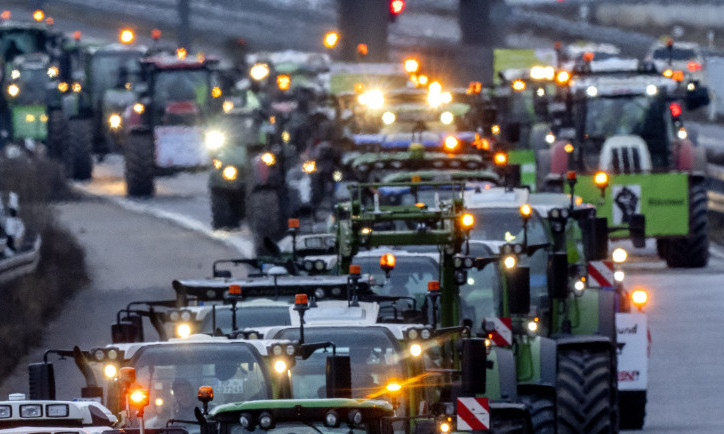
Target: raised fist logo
(627,202)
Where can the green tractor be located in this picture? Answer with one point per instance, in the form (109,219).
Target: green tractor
(442,228)
(25,94)
(97,82)
(29,46)
(333,415)
(622,132)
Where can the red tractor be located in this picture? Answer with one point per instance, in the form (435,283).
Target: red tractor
(165,127)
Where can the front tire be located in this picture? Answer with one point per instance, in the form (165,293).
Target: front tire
(264,217)
(542,412)
(57,134)
(585,392)
(692,251)
(140,159)
(78,150)
(632,408)
(227,208)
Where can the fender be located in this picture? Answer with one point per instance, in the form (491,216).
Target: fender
(684,155)
(507,375)
(559,159)
(506,411)
(590,341)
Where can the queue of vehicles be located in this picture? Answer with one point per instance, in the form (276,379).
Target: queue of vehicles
(458,277)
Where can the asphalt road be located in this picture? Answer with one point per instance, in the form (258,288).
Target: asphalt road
(131,256)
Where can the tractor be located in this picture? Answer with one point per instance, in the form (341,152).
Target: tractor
(622,132)
(163,130)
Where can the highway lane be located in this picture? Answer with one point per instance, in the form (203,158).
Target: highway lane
(131,256)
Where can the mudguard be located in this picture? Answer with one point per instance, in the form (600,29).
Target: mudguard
(591,341)
(537,362)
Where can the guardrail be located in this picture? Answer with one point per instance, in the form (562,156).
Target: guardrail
(21,263)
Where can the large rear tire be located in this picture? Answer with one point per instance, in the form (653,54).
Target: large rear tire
(227,208)
(632,408)
(585,391)
(140,159)
(57,134)
(79,149)
(692,251)
(264,216)
(542,412)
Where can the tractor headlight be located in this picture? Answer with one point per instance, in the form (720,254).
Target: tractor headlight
(114,121)
(13,90)
(230,173)
(215,140)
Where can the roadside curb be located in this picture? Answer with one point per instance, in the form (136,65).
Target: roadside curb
(244,247)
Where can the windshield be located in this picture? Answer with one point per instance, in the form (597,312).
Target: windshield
(114,69)
(181,85)
(408,279)
(173,373)
(505,224)
(32,84)
(637,115)
(18,42)
(300,428)
(247,317)
(676,53)
(481,296)
(374,353)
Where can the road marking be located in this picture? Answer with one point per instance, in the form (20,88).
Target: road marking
(244,247)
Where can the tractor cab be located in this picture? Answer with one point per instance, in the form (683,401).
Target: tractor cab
(26,93)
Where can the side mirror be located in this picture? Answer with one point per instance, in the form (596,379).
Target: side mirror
(696,96)
(474,367)
(637,230)
(558,275)
(511,132)
(41,381)
(128,330)
(595,238)
(339,377)
(518,280)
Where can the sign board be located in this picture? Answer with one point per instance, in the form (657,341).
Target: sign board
(473,414)
(600,274)
(180,146)
(633,341)
(502,335)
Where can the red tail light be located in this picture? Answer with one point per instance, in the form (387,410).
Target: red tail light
(675,109)
(397,6)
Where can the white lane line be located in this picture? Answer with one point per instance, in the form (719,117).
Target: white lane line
(244,247)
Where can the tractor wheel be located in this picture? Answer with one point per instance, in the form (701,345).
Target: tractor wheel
(692,251)
(662,247)
(78,150)
(264,215)
(585,392)
(227,208)
(632,409)
(542,412)
(140,159)
(57,134)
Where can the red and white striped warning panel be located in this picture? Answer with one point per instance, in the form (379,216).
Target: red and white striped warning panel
(473,414)
(502,335)
(600,274)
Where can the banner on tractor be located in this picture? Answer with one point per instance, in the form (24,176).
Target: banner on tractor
(663,198)
(180,146)
(633,351)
